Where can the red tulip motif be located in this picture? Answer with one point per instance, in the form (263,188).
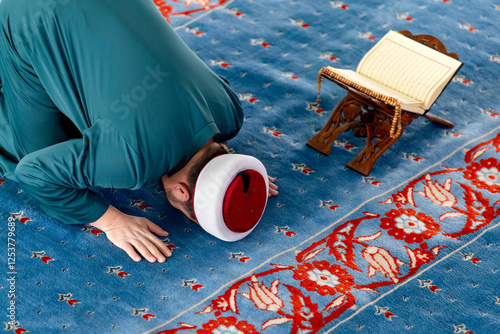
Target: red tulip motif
(381,260)
(437,193)
(265,299)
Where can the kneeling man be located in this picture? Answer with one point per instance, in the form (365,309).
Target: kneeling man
(105,93)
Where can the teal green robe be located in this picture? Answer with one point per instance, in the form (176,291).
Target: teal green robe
(101,93)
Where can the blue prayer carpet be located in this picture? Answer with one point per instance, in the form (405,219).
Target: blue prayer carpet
(412,248)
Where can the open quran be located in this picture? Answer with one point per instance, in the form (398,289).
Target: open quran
(401,72)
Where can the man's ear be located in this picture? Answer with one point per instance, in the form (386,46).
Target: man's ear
(181,192)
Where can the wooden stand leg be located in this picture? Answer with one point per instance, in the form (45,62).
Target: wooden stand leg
(365,160)
(346,112)
(439,120)
(379,132)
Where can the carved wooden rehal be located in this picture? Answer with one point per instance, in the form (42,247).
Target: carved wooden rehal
(370,118)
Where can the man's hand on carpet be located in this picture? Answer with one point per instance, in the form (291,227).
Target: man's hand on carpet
(273,189)
(134,234)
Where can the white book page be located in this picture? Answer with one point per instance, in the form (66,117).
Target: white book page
(407,102)
(408,67)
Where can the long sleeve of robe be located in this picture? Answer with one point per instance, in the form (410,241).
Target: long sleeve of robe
(101,93)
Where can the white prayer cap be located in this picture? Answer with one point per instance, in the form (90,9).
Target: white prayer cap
(230,196)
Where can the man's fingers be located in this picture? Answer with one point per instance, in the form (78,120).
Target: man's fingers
(272,193)
(160,246)
(131,252)
(145,251)
(157,229)
(154,244)
(136,236)
(153,249)
(273,189)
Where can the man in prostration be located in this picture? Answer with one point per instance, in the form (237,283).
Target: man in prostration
(105,93)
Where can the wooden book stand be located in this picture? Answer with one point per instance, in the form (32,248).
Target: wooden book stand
(369,117)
